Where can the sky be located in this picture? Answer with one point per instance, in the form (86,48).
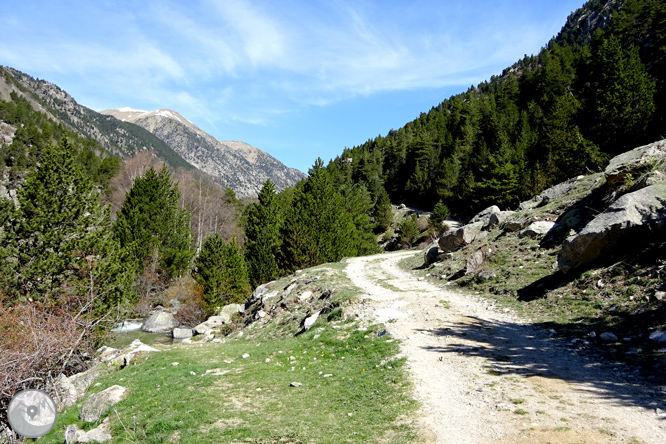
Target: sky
(299,79)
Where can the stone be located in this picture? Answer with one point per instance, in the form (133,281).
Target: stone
(484,216)
(159,322)
(497,219)
(102,433)
(485,275)
(658,336)
(72,433)
(431,255)
(634,162)
(453,240)
(309,321)
(232,309)
(536,229)
(608,337)
(513,224)
(295,384)
(99,403)
(305,296)
(631,221)
(182,333)
(474,262)
(552,193)
(66,393)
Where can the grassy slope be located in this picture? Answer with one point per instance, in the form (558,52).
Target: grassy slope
(366,398)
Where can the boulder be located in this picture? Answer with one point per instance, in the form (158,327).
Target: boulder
(102,433)
(82,381)
(99,403)
(634,162)
(628,223)
(431,255)
(552,193)
(484,216)
(513,224)
(608,337)
(182,333)
(536,229)
(474,262)
(309,321)
(496,219)
(232,309)
(658,337)
(66,393)
(453,240)
(159,322)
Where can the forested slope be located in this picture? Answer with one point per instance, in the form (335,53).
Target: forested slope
(588,95)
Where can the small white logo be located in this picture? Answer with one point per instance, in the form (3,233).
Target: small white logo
(32,413)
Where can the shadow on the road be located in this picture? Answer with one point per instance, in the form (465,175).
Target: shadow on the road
(532,350)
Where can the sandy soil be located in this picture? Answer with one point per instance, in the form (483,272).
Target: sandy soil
(484,376)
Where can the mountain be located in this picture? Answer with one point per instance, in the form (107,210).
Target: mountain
(121,139)
(233,164)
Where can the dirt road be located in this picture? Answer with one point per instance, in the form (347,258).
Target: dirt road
(484,376)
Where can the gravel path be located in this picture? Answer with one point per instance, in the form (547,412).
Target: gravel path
(484,376)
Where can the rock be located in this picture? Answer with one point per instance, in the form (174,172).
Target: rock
(552,193)
(260,291)
(485,275)
(246,355)
(212,322)
(99,403)
(484,216)
(633,162)
(658,336)
(625,225)
(309,321)
(305,296)
(260,314)
(102,433)
(295,384)
(72,433)
(431,255)
(474,262)
(513,224)
(182,333)
(202,329)
(231,309)
(497,219)
(659,295)
(134,349)
(608,337)
(66,393)
(453,240)
(159,322)
(536,229)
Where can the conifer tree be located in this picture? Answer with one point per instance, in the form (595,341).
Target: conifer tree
(263,242)
(59,231)
(151,225)
(220,268)
(317,228)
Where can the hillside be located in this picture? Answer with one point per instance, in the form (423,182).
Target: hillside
(596,90)
(235,165)
(118,138)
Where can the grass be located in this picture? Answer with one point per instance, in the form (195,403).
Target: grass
(353,388)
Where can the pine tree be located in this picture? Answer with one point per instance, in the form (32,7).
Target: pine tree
(59,231)
(620,95)
(317,228)
(151,225)
(220,268)
(263,241)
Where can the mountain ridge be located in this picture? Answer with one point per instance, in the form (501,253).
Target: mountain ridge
(235,164)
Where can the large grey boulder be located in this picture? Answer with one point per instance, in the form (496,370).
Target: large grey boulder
(99,403)
(182,333)
(634,162)
(232,309)
(628,223)
(159,322)
(453,240)
(552,193)
(484,216)
(66,393)
(537,229)
(102,433)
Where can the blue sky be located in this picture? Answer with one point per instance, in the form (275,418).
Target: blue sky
(299,79)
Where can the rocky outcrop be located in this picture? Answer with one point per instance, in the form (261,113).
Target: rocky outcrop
(555,192)
(635,163)
(627,224)
(102,433)
(99,403)
(537,229)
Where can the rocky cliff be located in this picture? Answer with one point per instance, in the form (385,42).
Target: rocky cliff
(235,165)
